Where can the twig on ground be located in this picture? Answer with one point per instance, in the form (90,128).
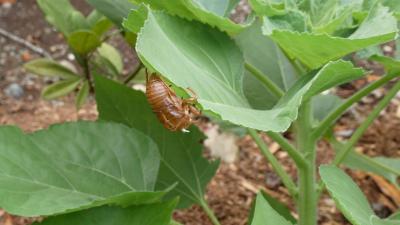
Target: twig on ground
(25,43)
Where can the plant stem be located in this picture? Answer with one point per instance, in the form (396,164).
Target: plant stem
(134,73)
(366,123)
(307,202)
(209,212)
(324,126)
(286,179)
(277,91)
(86,72)
(293,153)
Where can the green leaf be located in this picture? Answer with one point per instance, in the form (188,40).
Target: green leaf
(231,6)
(181,155)
(337,21)
(135,20)
(323,105)
(370,51)
(395,216)
(98,23)
(112,55)
(151,214)
(94,17)
(279,207)
(60,88)
(102,26)
(216,71)
(378,221)
(62,15)
(75,166)
(348,197)
(392,66)
(262,53)
(173,222)
(83,41)
(264,214)
(268,7)
(48,67)
(314,50)
(82,95)
(209,12)
(385,167)
(115,10)
(334,76)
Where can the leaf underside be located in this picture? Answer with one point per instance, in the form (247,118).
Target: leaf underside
(59,170)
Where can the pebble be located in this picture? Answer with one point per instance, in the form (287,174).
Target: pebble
(14,90)
(70,57)
(272,180)
(380,210)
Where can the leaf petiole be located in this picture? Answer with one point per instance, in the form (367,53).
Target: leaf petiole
(366,123)
(324,126)
(286,179)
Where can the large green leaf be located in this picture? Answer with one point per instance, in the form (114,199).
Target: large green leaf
(314,50)
(83,41)
(115,10)
(74,166)
(264,214)
(151,214)
(62,15)
(48,67)
(209,12)
(263,54)
(181,155)
(334,76)
(348,197)
(217,68)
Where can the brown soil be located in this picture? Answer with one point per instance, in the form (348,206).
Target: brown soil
(232,190)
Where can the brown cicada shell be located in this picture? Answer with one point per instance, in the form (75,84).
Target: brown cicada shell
(172,111)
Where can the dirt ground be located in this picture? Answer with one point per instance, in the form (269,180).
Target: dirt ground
(232,190)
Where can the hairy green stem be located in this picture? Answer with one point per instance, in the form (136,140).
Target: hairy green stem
(286,179)
(325,125)
(366,123)
(307,202)
(209,212)
(293,153)
(277,91)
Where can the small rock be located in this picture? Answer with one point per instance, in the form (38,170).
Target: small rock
(380,210)
(344,133)
(70,57)
(272,180)
(14,90)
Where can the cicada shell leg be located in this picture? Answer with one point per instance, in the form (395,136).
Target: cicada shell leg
(193,97)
